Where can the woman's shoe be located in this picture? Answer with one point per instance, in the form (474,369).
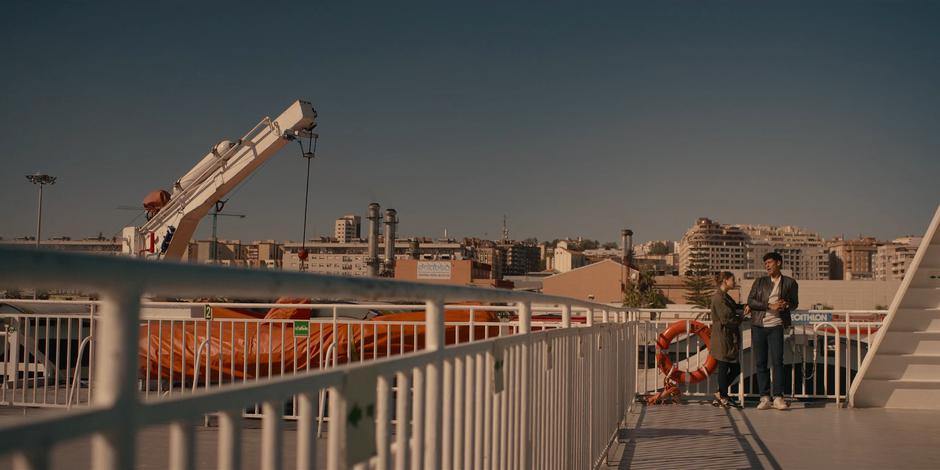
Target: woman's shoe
(721,401)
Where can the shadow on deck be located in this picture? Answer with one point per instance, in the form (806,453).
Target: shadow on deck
(697,435)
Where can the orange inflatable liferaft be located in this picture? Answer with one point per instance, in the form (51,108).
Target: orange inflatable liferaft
(248,350)
(665,364)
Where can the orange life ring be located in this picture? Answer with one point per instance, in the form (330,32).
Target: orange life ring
(665,364)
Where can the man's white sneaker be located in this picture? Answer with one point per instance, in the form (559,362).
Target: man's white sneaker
(764,403)
(779,404)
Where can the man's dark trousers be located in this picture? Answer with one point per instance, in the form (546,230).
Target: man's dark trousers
(768,340)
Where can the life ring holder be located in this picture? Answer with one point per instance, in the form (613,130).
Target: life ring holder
(665,363)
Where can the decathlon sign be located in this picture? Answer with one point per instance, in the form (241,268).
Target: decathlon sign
(807,317)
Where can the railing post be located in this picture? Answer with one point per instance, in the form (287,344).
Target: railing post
(566,316)
(525,434)
(472,336)
(838,368)
(525,317)
(116,384)
(434,341)
(272,435)
(336,457)
(590,317)
(306,436)
(605,315)
(230,429)
(182,449)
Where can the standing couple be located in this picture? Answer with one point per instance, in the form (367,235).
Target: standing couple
(769,304)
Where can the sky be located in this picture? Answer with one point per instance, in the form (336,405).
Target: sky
(569,118)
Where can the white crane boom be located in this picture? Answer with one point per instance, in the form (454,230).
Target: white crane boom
(167,233)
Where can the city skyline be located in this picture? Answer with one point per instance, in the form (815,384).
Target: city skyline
(570,121)
(332,235)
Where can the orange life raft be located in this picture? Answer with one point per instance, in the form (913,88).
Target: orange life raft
(665,364)
(259,349)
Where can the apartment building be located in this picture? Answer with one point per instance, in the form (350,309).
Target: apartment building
(348,228)
(709,246)
(804,252)
(852,259)
(893,258)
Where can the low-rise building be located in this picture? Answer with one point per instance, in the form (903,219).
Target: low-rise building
(600,282)
(565,259)
(598,254)
(654,247)
(489,253)
(458,272)
(349,259)
(659,265)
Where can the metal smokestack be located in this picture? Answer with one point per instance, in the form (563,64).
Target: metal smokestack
(391,221)
(372,256)
(626,245)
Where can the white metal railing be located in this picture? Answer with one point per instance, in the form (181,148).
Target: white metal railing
(212,358)
(536,399)
(821,358)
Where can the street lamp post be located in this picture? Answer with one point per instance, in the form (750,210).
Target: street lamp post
(41,180)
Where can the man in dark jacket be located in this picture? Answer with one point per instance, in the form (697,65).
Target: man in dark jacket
(772,299)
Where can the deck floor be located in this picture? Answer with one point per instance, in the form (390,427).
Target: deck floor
(693,435)
(697,435)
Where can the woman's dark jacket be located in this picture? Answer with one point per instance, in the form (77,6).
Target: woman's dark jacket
(726,331)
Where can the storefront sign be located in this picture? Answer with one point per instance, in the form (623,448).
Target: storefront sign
(806,317)
(434,270)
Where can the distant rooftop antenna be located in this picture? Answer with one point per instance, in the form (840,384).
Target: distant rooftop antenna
(505,229)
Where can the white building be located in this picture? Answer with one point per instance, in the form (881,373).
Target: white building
(348,228)
(643,249)
(892,259)
(804,252)
(710,247)
(565,259)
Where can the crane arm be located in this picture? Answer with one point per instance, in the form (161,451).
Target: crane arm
(167,233)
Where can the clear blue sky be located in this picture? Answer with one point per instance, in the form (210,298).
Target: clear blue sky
(571,118)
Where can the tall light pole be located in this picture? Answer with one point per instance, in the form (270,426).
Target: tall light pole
(41,180)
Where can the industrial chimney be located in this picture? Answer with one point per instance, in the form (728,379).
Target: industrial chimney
(626,245)
(372,256)
(391,222)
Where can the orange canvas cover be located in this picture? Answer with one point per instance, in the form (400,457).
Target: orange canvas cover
(257,349)
(154,201)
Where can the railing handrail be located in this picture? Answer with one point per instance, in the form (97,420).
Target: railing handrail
(553,307)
